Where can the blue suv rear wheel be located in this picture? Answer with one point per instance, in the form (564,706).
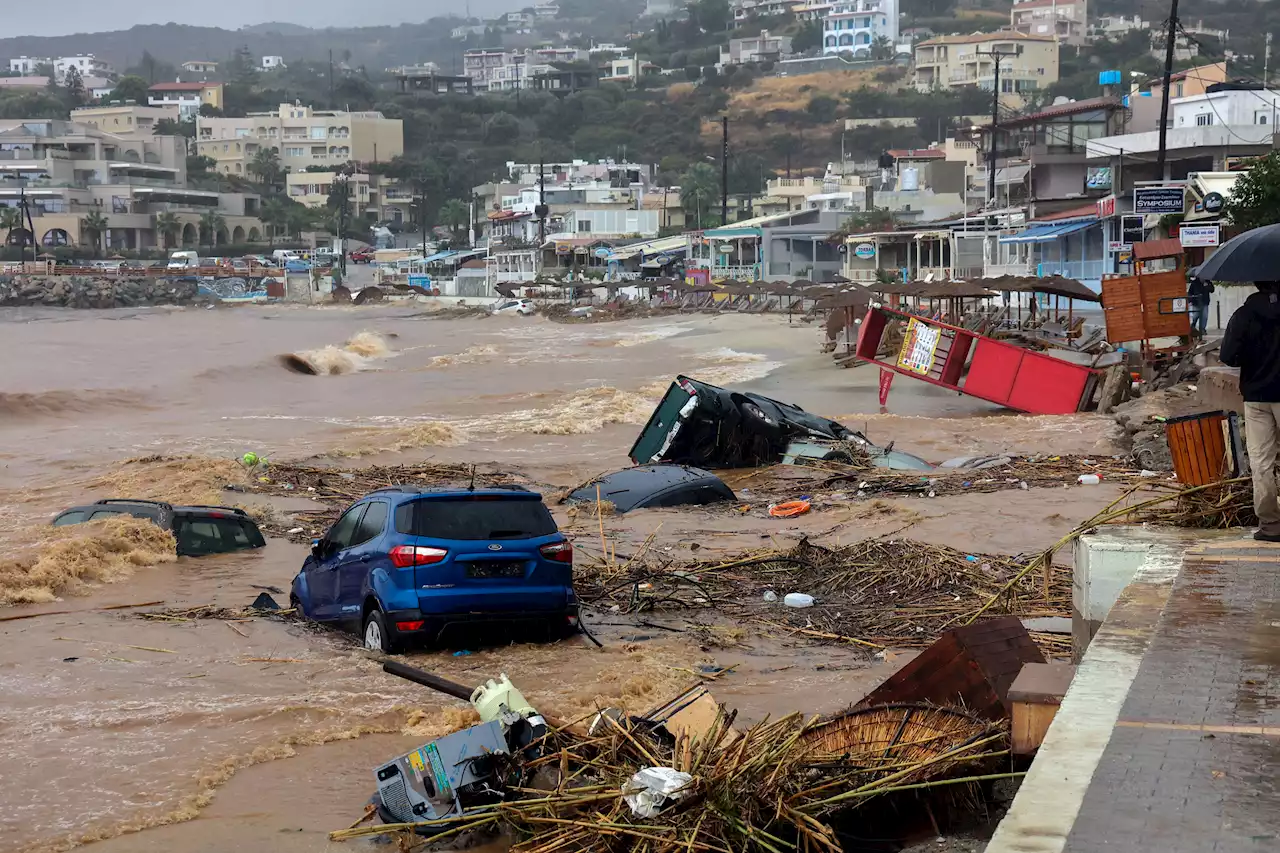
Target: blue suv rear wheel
(377,634)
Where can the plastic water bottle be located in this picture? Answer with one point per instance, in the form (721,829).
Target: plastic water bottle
(798,599)
(1088,479)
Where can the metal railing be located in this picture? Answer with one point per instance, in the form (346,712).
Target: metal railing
(1023,268)
(1079,270)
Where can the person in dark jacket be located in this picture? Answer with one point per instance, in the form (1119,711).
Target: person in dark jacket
(1252,343)
(1198,291)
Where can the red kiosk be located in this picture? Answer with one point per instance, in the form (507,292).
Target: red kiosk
(976,365)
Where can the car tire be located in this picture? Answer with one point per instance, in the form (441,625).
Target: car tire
(376,634)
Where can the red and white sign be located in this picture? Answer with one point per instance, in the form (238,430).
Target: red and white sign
(1106,207)
(886,380)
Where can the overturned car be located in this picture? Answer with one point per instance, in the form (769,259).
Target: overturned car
(700,424)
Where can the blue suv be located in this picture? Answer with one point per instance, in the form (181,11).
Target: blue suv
(408,562)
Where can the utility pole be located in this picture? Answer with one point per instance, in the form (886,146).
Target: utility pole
(996,56)
(1171,31)
(1266,62)
(541,209)
(724,171)
(331,106)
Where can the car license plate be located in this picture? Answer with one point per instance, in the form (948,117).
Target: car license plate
(496,569)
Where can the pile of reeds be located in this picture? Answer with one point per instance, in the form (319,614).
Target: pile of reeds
(875,593)
(778,785)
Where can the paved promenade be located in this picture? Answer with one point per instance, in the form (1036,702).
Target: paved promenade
(1170,734)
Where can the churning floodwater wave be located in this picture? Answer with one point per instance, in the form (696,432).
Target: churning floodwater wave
(358,353)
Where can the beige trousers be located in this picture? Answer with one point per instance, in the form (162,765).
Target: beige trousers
(1262,431)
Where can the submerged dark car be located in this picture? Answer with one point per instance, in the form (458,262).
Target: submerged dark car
(646,486)
(198,530)
(700,424)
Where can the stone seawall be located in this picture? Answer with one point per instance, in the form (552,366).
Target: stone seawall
(73,291)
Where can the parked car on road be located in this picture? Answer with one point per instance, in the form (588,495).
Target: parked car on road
(199,530)
(514,306)
(409,563)
(362,256)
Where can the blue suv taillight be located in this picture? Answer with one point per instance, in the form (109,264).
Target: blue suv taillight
(405,556)
(560,552)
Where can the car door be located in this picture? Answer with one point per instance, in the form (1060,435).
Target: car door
(362,556)
(322,573)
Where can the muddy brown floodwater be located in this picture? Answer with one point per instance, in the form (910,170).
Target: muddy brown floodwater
(210,735)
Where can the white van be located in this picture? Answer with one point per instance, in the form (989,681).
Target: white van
(184,260)
(282,255)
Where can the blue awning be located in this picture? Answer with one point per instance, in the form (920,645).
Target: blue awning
(439,256)
(1046,231)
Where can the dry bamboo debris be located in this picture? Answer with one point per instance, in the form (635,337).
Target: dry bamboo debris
(872,593)
(774,786)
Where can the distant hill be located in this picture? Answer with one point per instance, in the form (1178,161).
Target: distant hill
(376,47)
(281,27)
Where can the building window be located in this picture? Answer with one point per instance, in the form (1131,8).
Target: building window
(1204,119)
(584,226)
(317,133)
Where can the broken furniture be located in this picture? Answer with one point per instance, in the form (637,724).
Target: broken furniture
(1035,696)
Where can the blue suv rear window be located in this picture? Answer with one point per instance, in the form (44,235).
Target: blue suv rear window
(475,518)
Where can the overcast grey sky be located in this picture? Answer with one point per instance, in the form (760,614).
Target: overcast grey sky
(87,16)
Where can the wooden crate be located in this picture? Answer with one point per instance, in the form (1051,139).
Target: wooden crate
(972,667)
(1035,696)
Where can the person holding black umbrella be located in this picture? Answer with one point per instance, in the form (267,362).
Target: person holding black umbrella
(1252,343)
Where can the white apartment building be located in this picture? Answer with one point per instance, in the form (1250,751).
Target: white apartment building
(856,25)
(301,137)
(1068,20)
(1027,63)
(272,62)
(87,64)
(508,70)
(1218,125)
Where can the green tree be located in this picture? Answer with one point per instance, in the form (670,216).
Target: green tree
(882,48)
(169,226)
(131,87)
(454,214)
(200,166)
(275,217)
(266,167)
(822,108)
(211,222)
(298,219)
(808,37)
(10,221)
(74,85)
(699,189)
(1255,198)
(94,225)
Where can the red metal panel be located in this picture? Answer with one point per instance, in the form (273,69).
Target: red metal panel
(1048,386)
(992,371)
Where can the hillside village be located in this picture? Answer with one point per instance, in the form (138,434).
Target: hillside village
(817,139)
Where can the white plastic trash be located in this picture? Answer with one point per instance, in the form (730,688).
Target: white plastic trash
(654,788)
(798,599)
(770,596)
(1088,479)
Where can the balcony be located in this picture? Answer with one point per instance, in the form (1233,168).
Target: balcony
(1023,268)
(1079,270)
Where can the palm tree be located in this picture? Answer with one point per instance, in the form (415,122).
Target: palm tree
(453,214)
(698,189)
(169,226)
(265,165)
(211,222)
(298,219)
(274,216)
(95,225)
(10,220)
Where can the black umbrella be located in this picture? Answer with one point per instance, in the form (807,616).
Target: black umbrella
(1251,256)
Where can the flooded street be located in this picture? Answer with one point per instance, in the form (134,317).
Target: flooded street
(218,734)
